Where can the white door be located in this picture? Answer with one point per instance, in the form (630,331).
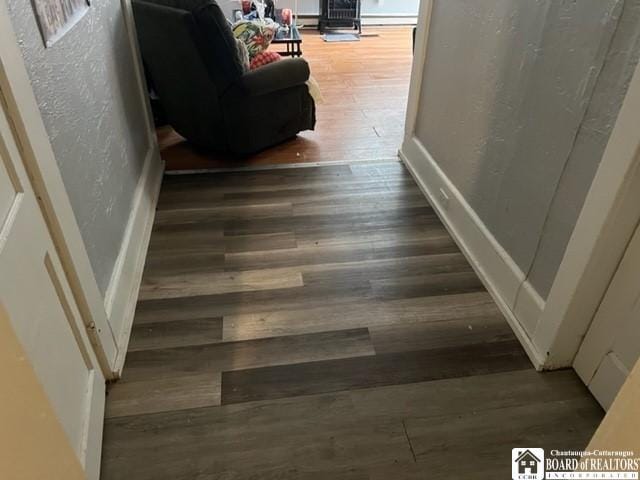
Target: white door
(36,294)
(612,344)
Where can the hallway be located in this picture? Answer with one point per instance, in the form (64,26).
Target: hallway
(320,323)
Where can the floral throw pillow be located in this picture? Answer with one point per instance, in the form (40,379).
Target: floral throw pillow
(256,35)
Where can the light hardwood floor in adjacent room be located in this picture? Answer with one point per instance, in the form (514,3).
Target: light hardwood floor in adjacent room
(320,323)
(365,86)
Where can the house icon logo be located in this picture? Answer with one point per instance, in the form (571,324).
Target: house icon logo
(527,464)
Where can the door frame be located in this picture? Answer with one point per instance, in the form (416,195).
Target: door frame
(606,224)
(417,67)
(42,168)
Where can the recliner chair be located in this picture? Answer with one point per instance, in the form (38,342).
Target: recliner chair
(191,55)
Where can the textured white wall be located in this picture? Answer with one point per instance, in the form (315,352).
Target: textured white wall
(86,90)
(514,96)
(591,140)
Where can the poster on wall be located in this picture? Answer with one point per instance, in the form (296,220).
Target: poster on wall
(56,17)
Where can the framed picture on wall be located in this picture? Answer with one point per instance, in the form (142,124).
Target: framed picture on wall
(56,17)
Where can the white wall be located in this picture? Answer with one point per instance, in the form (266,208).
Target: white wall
(589,145)
(88,96)
(516,104)
(505,90)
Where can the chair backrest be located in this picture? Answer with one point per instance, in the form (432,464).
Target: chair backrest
(191,55)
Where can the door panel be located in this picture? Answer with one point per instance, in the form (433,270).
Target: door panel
(627,345)
(612,344)
(608,379)
(36,294)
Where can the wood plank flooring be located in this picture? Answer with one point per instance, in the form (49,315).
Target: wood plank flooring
(362,116)
(320,323)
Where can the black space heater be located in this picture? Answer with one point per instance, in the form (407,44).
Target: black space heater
(340,14)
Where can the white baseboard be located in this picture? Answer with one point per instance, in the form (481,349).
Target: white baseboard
(528,307)
(311,20)
(504,280)
(389,19)
(122,292)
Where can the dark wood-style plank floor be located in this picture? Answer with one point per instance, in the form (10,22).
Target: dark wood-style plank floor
(320,323)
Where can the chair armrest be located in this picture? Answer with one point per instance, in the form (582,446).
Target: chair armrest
(275,76)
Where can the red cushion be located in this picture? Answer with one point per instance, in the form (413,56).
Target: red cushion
(264,58)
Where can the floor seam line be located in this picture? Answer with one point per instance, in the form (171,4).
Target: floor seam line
(413,453)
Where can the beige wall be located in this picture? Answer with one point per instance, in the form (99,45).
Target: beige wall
(33,445)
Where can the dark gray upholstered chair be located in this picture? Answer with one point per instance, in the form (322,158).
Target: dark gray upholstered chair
(191,55)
